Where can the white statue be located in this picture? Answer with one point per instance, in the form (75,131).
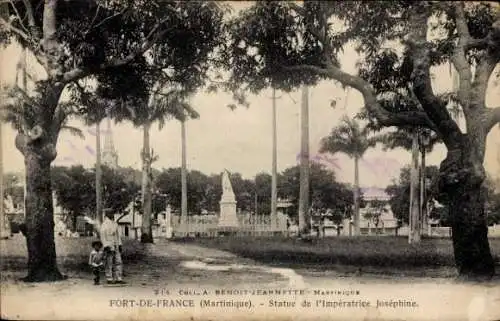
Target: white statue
(227,218)
(227,188)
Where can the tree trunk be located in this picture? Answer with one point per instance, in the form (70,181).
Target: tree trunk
(414,234)
(461,177)
(470,233)
(356,220)
(423,196)
(146,229)
(304,221)
(37,144)
(42,263)
(184,207)
(73,221)
(274,188)
(3,226)
(98,174)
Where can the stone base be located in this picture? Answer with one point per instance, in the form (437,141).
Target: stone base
(227,216)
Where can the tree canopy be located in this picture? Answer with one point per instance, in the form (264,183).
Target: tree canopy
(75,190)
(126,47)
(287,44)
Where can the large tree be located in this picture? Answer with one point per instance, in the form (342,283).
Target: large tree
(104,39)
(297,43)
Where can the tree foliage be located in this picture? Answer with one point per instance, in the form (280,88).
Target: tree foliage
(399,193)
(75,190)
(350,138)
(325,192)
(124,47)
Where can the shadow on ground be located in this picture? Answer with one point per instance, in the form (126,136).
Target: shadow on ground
(144,265)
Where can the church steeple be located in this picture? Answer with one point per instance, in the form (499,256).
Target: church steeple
(109,155)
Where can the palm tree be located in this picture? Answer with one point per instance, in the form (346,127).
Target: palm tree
(183,174)
(163,103)
(274,183)
(3,228)
(96,110)
(98,173)
(353,140)
(304,220)
(184,112)
(419,141)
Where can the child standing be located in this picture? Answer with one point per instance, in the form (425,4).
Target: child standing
(96,260)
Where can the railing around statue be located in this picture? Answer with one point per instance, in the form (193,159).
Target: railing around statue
(207,226)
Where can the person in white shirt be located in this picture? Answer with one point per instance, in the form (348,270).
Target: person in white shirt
(112,244)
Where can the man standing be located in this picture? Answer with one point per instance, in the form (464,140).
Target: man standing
(112,244)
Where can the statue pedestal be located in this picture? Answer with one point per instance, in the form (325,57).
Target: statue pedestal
(228,219)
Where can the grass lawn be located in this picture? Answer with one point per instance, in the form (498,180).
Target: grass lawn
(140,266)
(72,255)
(384,254)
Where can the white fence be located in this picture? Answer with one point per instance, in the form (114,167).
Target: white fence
(207,225)
(493,231)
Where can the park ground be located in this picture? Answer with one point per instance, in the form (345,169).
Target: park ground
(369,269)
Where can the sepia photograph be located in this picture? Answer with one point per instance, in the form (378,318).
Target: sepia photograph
(249,160)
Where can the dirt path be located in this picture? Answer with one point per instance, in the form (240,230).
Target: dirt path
(193,274)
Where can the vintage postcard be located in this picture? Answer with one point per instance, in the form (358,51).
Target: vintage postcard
(266,160)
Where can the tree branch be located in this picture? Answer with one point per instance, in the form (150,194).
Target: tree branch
(487,63)
(150,40)
(483,73)
(15,30)
(29,13)
(49,28)
(491,118)
(19,17)
(422,86)
(458,58)
(103,21)
(383,116)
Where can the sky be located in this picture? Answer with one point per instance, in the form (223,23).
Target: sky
(240,140)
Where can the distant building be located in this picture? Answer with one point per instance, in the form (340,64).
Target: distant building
(109,154)
(130,224)
(376,216)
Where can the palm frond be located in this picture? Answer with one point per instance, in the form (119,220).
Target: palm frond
(73,131)
(350,138)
